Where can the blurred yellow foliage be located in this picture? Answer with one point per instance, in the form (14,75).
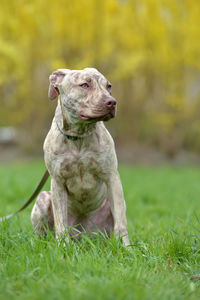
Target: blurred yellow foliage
(149,49)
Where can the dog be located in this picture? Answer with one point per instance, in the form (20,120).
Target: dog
(86,191)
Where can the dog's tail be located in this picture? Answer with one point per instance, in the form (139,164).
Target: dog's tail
(32,197)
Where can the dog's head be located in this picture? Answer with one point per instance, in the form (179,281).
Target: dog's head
(85,94)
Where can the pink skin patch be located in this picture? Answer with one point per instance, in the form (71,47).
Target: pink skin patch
(101,220)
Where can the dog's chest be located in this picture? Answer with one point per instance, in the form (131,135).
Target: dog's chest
(80,170)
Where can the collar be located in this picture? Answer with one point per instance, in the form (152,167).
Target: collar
(69,137)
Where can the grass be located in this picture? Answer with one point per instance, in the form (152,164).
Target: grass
(163,210)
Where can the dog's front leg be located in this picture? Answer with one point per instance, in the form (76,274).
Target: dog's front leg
(118,206)
(59,201)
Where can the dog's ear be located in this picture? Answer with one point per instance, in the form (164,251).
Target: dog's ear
(55,79)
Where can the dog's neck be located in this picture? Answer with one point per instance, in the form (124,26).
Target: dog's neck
(71,125)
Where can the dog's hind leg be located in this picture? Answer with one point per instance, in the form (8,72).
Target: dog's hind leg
(42,214)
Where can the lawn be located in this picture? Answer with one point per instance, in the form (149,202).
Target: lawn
(163,210)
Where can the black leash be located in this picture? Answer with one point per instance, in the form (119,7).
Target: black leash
(32,197)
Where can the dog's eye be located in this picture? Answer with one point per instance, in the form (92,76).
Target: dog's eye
(109,87)
(84,85)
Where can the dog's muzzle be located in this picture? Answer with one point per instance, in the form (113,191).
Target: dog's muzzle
(110,105)
(105,112)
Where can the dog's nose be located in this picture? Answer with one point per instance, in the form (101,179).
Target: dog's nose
(110,102)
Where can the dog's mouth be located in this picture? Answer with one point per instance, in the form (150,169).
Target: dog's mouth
(105,117)
(85,118)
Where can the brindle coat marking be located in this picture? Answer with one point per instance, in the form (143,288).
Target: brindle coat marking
(85,184)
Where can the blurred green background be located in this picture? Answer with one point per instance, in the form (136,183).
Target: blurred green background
(148,49)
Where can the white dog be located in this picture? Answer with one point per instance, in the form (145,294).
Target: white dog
(80,157)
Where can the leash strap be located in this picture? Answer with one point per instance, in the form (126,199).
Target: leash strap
(32,197)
